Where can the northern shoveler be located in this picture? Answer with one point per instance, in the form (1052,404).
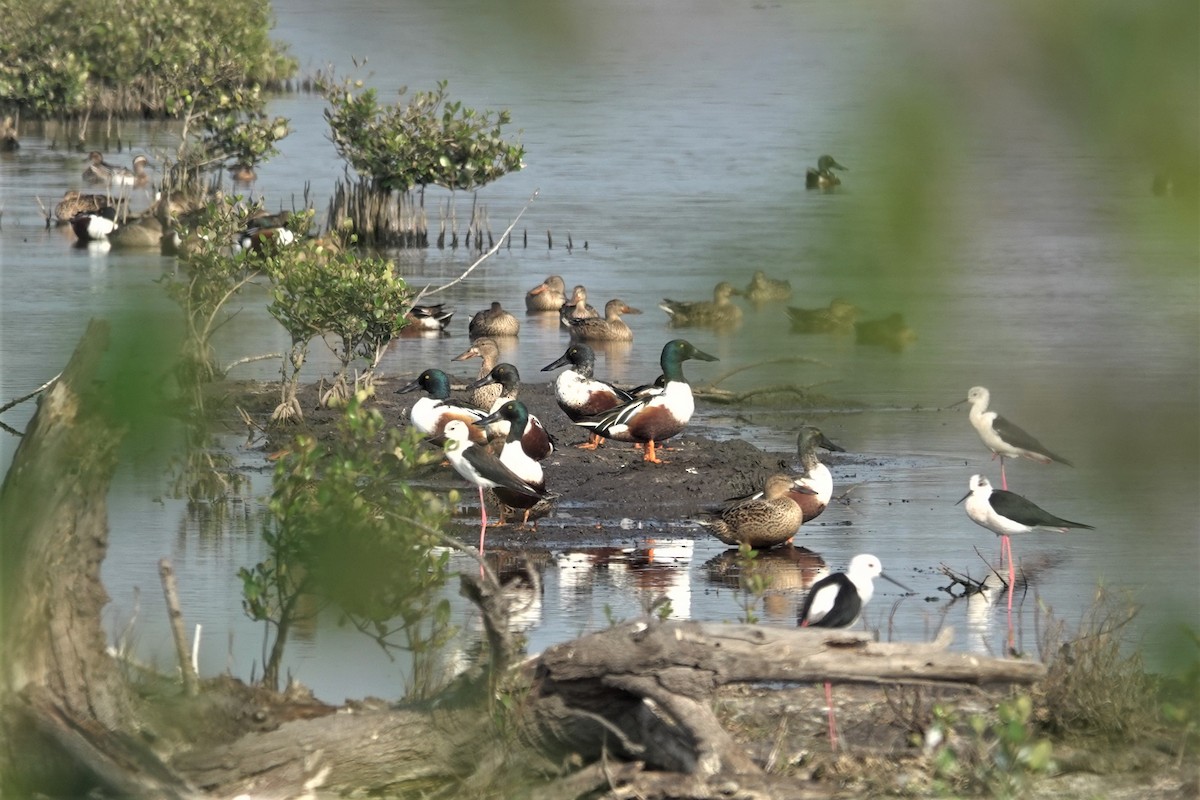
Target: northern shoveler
(822,177)
(485,348)
(838,317)
(576,308)
(9,139)
(762,289)
(720,312)
(579,393)
(483,469)
(74,202)
(549,295)
(431,413)
(493,321)
(260,240)
(1002,437)
(95,226)
(101,172)
(610,328)
(429,317)
(761,522)
(142,233)
(242,173)
(890,332)
(658,417)
(536,440)
(514,457)
(816,478)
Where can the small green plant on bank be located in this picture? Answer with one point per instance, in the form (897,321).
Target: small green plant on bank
(996,756)
(349,528)
(752,583)
(319,289)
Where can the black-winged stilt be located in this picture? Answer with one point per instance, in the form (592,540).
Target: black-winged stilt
(484,470)
(1002,437)
(837,601)
(1005,513)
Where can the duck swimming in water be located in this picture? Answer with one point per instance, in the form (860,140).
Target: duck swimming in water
(720,312)
(610,328)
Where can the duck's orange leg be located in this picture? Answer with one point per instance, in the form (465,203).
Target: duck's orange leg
(649,456)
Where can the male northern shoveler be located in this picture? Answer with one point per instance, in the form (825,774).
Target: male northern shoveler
(95,226)
(822,177)
(837,317)
(816,478)
(483,469)
(74,202)
(579,393)
(549,295)
(431,413)
(654,418)
(761,522)
(720,312)
(1002,437)
(485,348)
(493,321)
(515,458)
(890,332)
(536,440)
(762,289)
(429,317)
(101,172)
(610,328)
(576,308)
(260,240)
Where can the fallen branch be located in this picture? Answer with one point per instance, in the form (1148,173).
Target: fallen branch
(17,401)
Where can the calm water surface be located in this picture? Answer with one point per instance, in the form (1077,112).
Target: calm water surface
(671,139)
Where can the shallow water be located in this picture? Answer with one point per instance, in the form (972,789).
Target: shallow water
(671,139)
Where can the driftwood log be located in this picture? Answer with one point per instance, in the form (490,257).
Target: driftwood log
(629,706)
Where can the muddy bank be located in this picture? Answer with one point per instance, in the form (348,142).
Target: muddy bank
(595,489)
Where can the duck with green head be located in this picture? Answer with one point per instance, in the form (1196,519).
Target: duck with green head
(823,177)
(654,418)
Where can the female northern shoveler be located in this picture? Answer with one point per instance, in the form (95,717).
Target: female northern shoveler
(431,413)
(101,172)
(762,289)
(429,318)
(142,233)
(493,321)
(484,395)
(720,312)
(9,139)
(656,417)
(838,317)
(74,202)
(822,177)
(576,308)
(609,329)
(579,393)
(514,456)
(95,226)
(242,173)
(890,332)
(762,522)
(549,295)
(484,470)
(536,440)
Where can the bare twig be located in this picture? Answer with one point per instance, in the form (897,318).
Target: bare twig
(34,393)
(248,360)
(758,364)
(491,251)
